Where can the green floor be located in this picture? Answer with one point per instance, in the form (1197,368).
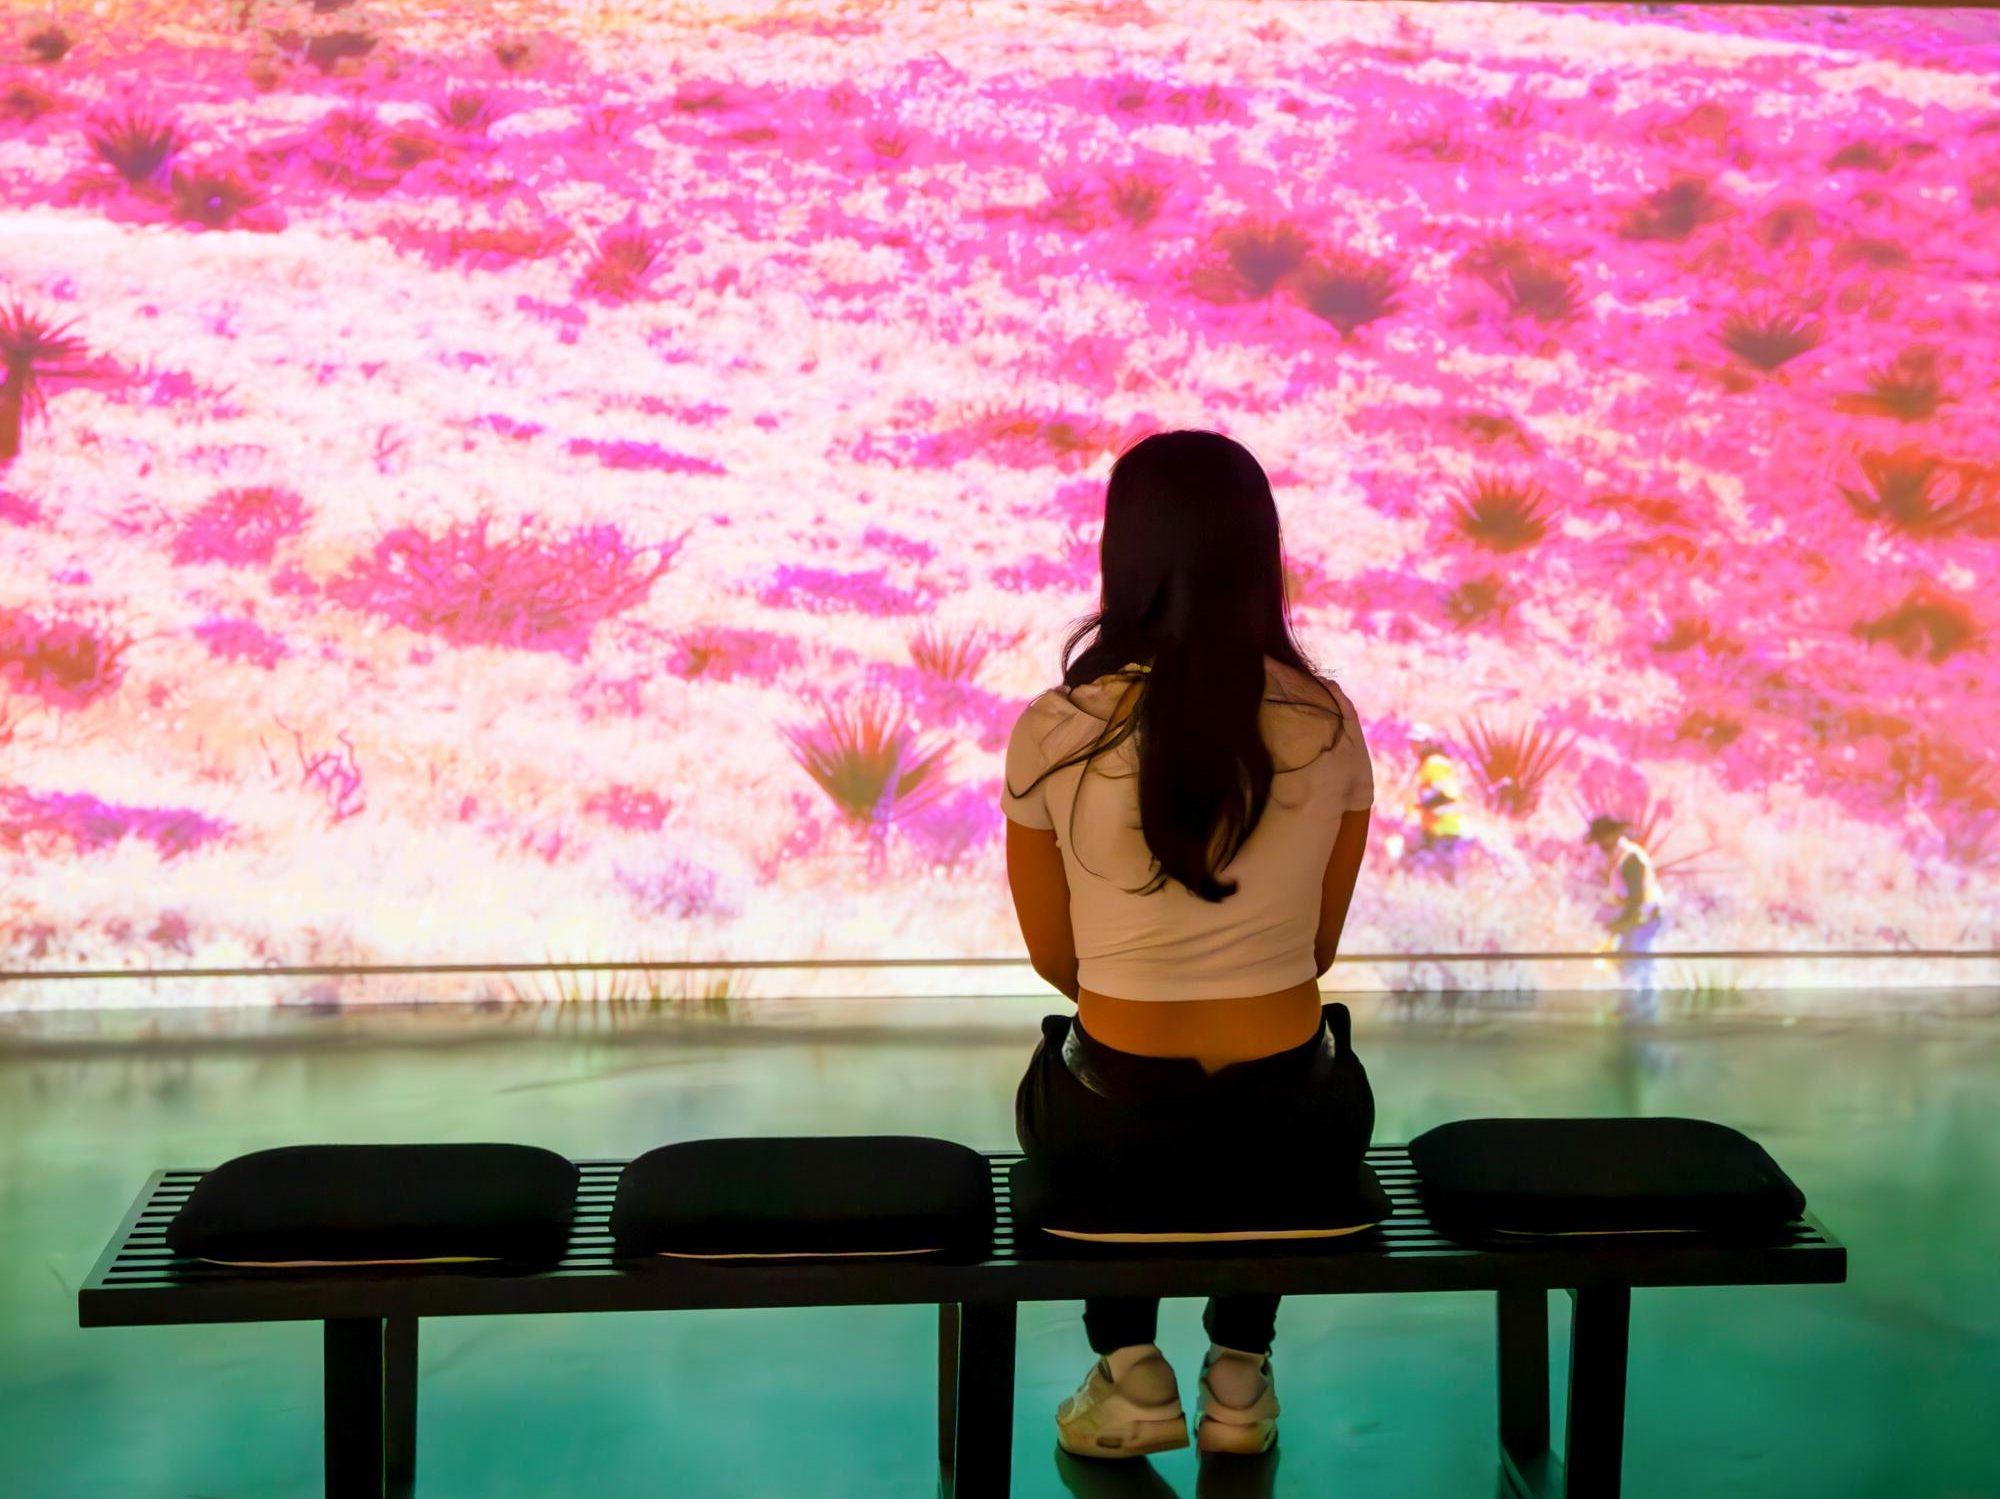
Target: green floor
(1888,1385)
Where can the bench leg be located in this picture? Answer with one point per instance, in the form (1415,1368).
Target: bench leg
(1594,1445)
(353,1370)
(983,1448)
(399,1407)
(947,1389)
(1528,1469)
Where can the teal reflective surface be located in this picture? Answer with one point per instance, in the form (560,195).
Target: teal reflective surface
(1884,1386)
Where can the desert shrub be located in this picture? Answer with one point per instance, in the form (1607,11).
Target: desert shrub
(526,590)
(721,653)
(676,888)
(643,457)
(1476,601)
(65,660)
(240,527)
(1502,515)
(30,819)
(1512,764)
(49,44)
(952,827)
(867,759)
(328,51)
(630,807)
(240,640)
(822,590)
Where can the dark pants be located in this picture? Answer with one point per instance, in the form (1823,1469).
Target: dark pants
(1164,1125)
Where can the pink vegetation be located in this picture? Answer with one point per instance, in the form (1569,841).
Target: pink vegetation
(240,527)
(630,807)
(86,823)
(240,640)
(528,591)
(64,660)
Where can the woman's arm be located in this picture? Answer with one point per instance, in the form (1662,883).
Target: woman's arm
(1343,867)
(1041,901)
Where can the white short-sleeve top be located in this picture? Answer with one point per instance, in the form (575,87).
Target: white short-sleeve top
(1172,944)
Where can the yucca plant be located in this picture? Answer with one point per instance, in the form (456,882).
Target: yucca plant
(1502,515)
(1675,212)
(1348,290)
(1533,280)
(952,657)
(1927,622)
(211,197)
(467,111)
(329,51)
(33,351)
(51,44)
(1263,253)
(1769,340)
(1136,197)
(136,147)
(622,261)
(1906,388)
(1920,494)
(1512,764)
(867,760)
(1477,600)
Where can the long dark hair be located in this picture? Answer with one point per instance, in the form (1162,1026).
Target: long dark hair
(1194,591)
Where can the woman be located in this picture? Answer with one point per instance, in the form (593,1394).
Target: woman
(1186,818)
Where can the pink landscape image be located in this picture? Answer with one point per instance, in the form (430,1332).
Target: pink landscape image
(587,482)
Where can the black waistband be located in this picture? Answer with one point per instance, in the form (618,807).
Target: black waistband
(1109,1071)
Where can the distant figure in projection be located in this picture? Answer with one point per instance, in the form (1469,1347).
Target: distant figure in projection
(1437,803)
(1633,917)
(1187,815)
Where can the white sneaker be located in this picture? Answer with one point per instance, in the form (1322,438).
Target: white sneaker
(1126,1416)
(1247,1419)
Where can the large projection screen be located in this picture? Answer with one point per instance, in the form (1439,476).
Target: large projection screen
(594,482)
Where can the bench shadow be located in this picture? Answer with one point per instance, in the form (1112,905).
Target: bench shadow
(1220,1477)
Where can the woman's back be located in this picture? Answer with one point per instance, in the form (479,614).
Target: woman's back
(1171,945)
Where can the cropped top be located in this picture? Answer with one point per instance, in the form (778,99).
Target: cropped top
(1172,944)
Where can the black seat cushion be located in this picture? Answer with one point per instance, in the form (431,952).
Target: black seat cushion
(806,1198)
(1513,1179)
(379,1204)
(1286,1208)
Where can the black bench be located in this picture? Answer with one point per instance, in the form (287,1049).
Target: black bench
(371,1314)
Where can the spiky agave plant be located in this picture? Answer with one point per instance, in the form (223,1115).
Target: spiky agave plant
(135,146)
(1907,490)
(32,351)
(867,760)
(1512,764)
(1769,340)
(1348,290)
(1502,515)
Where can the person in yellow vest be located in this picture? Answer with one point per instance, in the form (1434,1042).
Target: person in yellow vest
(1437,801)
(1634,915)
